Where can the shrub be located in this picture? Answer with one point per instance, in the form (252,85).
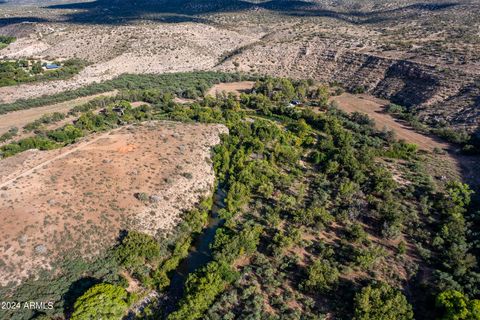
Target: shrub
(137,249)
(381,302)
(322,275)
(102,301)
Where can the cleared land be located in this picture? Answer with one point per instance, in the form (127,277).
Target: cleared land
(233,87)
(23,117)
(79,198)
(374,108)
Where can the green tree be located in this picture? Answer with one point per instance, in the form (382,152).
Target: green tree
(381,302)
(322,275)
(459,193)
(454,305)
(136,249)
(102,301)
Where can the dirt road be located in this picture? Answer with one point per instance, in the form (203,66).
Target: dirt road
(466,167)
(22,117)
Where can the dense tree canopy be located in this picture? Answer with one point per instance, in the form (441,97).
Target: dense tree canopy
(102,301)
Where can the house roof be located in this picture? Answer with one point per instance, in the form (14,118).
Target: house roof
(52,66)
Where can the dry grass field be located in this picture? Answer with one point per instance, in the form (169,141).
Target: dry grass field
(77,200)
(233,87)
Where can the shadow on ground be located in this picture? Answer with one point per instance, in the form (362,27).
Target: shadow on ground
(176,11)
(76,290)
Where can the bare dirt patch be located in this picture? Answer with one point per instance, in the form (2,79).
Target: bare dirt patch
(231,87)
(447,166)
(77,199)
(374,108)
(183,100)
(22,117)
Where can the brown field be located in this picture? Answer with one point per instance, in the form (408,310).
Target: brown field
(77,199)
(374,108)
(231,87)
(23,117)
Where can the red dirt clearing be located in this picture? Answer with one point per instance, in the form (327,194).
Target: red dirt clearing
(75,200)
(234,87)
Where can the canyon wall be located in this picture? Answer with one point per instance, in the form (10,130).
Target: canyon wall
(437,94)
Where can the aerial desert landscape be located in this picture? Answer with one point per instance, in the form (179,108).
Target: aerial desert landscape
(122,164)
(244,159)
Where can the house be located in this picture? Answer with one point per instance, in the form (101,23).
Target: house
(51,66)
(294,103)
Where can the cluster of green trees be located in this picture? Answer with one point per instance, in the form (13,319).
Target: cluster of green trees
(44,119)
(147,259)
(457,263)
(21,71)
(86,123)
(455,305)
(274,166)
(102,301)
(310,214)
(5,41)
(188,85)
(381,301)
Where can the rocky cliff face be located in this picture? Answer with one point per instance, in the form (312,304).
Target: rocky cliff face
(436,94)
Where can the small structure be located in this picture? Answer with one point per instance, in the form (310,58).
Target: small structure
(119,110)
(51,66)
(294,103)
